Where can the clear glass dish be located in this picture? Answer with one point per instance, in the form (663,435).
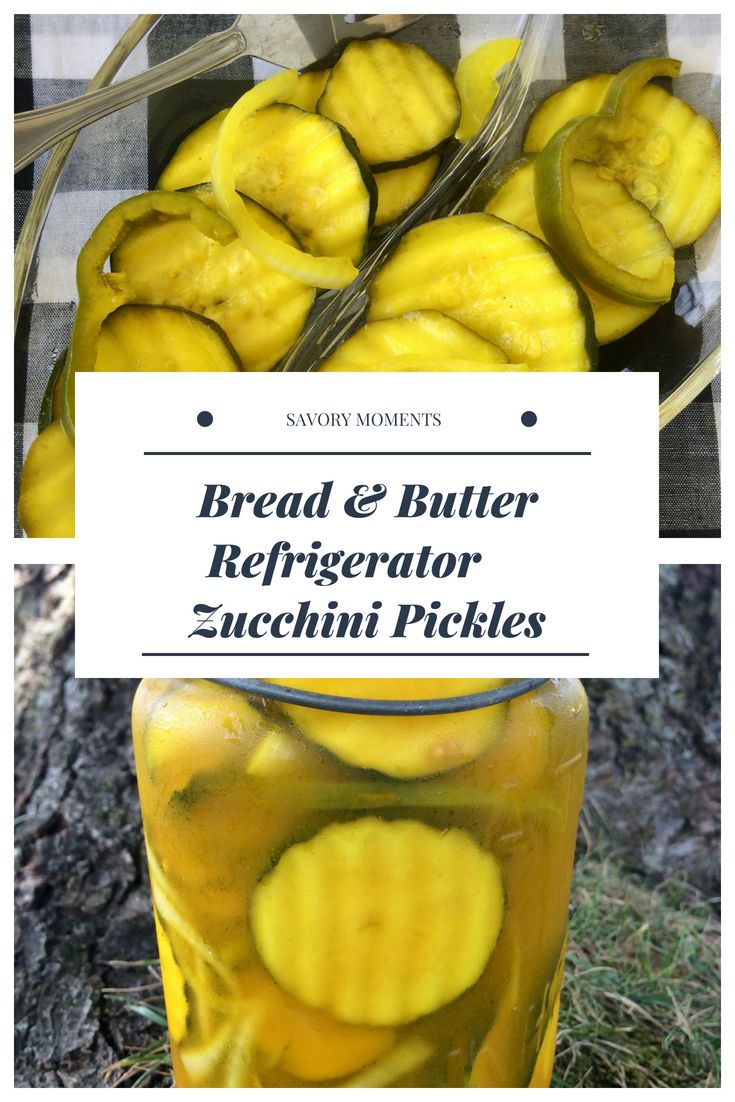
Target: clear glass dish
(124,153)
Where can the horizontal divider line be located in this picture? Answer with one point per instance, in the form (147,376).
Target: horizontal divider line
(366,453)
(365,654)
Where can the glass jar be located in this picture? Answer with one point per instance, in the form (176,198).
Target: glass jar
(355,899)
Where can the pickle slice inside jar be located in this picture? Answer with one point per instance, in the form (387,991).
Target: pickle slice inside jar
(395,919)
(400,746)
(198,730)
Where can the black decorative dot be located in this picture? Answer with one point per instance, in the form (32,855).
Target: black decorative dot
(529,418)
(205,419)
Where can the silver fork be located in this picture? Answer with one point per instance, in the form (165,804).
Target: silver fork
(291,41)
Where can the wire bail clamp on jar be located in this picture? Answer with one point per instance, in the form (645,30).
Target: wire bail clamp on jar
(305,698)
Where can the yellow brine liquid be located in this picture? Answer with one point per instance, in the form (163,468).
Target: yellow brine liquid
(356,900)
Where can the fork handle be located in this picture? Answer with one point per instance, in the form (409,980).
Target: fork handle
(38,130)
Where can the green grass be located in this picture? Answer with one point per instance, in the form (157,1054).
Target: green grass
(641,1000)
(148,1065)
(640,1004)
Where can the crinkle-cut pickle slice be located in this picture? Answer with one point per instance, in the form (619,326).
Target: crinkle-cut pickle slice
(400,746)
(394,98)
(497,280)
(174,986)
(592,138)
(476,83)
(162,338)
(395,919)
(582,97)
(620,226)
(423,333)
(399,188)
(261,311)
(46,501)
(307,171)
(307,90)
(191,164)
(668,157)
(317,271)
(304,1041)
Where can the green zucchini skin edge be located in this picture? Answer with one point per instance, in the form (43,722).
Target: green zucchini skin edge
(46,412)
(366,174)
(488,187)
(554,215)
(442,147)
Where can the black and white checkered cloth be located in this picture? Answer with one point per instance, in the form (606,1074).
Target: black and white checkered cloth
(56,55)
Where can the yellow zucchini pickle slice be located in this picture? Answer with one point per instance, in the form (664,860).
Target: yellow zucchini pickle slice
(582,97)
(101,291)
(200,728)
(424,333)
(670,161)
(317,271)
(497,280)
(300,166)
(400,188)
(307,1043)
(191,163)
(395,919)
(46,501)
(400,746)
(668,156)
(162,338)
(261,311)
(306,170)
(621,227)
(307,90)
(395,99)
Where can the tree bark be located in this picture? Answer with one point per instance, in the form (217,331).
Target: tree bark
(653,780)
(81,885)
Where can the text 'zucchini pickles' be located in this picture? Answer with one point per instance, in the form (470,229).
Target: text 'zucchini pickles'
(360,900)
